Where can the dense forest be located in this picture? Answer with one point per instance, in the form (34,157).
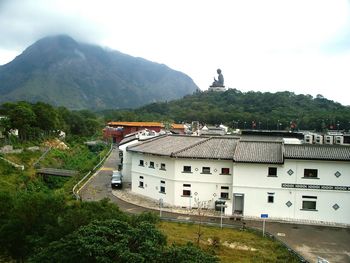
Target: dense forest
(35,121)
(245,110)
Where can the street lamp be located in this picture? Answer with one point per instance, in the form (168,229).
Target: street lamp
(222,206)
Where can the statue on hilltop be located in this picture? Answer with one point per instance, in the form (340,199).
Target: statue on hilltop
(220,81)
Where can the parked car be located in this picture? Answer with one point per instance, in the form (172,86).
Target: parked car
(116,181)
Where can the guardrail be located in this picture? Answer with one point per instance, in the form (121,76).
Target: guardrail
(18,166)
(35,164)
(75,189)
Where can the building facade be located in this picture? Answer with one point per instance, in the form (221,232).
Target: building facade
(301,183)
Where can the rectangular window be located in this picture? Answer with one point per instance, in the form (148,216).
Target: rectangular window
(272,172)
(142,163)
(187,169)
(225,170)
(310,173)
(309,202)
(162,166)
(186,192)
(309,205)
(224,195)
(151,164)
(162,187)
(141,181)
(206,170)
(270,199)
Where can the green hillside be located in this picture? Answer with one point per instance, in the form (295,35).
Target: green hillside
(247,110)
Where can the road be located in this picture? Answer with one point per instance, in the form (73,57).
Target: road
(310,241)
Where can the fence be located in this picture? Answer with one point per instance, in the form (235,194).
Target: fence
(75,189)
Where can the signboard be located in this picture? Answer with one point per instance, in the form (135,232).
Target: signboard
(264,216)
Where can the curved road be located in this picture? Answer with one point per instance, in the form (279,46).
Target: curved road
(331,243)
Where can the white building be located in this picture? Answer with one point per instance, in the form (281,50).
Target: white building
(296,182)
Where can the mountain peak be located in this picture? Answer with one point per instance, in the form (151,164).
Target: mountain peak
(63,72)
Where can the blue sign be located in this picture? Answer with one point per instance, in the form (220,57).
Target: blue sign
(264,216)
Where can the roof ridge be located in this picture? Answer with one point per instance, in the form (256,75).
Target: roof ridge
(190,146)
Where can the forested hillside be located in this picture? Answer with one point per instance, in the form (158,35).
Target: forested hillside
(281,110)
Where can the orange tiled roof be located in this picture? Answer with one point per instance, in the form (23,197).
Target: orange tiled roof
(138,124)
(177,126)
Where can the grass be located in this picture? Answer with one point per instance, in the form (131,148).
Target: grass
(246,246)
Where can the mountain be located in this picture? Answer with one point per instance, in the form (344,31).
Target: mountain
(264,110)
(63,72)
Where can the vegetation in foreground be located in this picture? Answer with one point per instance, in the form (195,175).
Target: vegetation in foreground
(230,245)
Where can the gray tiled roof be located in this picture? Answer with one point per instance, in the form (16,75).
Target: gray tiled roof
(258,152)
(231,148)
(211,148)
(166,145)
(318,152)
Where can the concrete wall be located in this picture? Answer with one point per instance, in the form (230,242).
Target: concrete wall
(252,181)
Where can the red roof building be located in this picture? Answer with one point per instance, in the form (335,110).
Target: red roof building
(118,130)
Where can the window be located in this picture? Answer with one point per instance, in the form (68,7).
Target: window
(187,169)
(141,181)
(151,164)
(310,173)
(162,166)
(272,172)
(224,192)
(309,202)
(224,195)
(142,163)
(270,197)
(206,170)
(187,190)
(162,187)
(225,170)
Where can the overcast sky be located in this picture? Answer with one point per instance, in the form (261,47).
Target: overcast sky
(297,45)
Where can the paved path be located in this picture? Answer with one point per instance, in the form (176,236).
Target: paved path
(310,241)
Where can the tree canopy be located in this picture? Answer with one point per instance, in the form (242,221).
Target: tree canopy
(245,110)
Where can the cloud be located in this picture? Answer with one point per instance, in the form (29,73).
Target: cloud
(23,22)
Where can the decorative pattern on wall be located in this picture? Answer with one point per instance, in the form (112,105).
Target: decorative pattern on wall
(289,204)
(336,206)
(318,187)
(337,174)
(290,172)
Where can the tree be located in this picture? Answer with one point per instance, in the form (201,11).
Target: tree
(106,241)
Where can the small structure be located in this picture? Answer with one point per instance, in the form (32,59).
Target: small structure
(218,84)
(178,128)
(118,130)
(56,172)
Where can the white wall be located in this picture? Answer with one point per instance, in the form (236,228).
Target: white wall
(252,181)
(204,187)
(127,161)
